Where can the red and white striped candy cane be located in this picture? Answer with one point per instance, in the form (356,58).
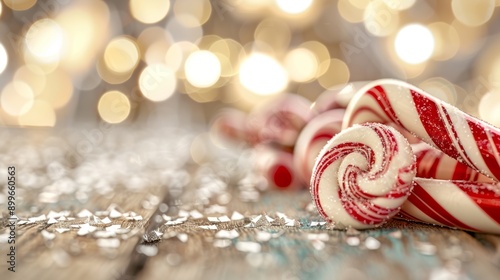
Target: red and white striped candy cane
(464,204)
(434,164)
(459,135)
(312,138)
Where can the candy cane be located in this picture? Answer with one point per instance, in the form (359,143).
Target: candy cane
(341,194)
(461,136)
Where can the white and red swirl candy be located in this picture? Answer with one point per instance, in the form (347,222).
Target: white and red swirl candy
(312,138)
(363,175)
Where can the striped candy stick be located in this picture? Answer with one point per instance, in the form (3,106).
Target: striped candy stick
(443,126)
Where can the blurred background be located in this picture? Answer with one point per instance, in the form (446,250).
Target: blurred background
(166,62)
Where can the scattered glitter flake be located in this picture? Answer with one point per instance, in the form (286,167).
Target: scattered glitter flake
(137,218)
(108,242)
(228,234)
(166,218)
(52,221)
(352,231)
(101,213)
(249,225)
(183,237)
(425,248)
(281,215)
(195,214)
(54,214)
(48,235)
(174,222)
(23,222)
(147,250)
(290,222)
(115,213)
(318,236)
(62,230)
(396,234)
(248,246)
(213,219)
(94,220)
(183,213)
(269,219)
(263,236)
(224,219)
(84,214)
(62,218)
(372,243)
(318,244)
(315,223)
(154,235)
(352,241)
(86,229)
(106,220)
(104,234)
(236,216)
(113,228)
(211,227)
(256,219)
(222,243)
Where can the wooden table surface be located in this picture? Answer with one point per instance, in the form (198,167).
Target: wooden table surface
(117,213)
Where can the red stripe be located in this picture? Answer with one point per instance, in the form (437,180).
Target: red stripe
(484,197)
(430,207)
(486,146)
(433,123)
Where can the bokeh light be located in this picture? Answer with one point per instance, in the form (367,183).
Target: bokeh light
(473,13)
(414,43)
(447,41)
(489,108)
(149,11)
(114,107)
(399,4)
(58,89)
(121,55)
(336,76)
(379,19)
(177,54)
(184,27)
(301,65)
(44,40)
(40,114)
(19,5)
(202,69)
(33,76)
(349,12)
(17,98)
(157,82)
(263,75)
(294,6)
(4,58)
(198,9)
